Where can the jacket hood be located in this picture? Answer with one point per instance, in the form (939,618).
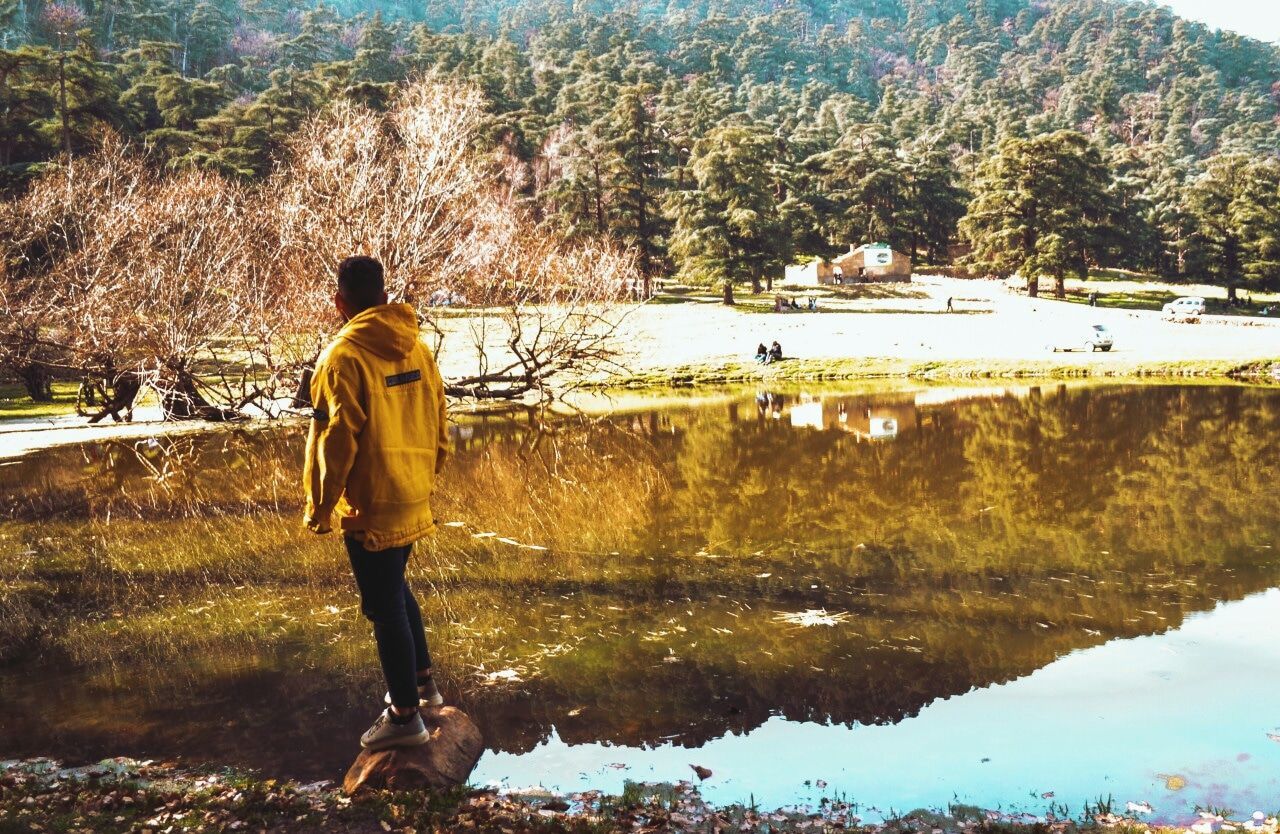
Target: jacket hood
(388,331)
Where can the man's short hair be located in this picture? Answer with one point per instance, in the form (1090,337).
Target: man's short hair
(360,282)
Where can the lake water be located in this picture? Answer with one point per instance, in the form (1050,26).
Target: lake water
(1018,598)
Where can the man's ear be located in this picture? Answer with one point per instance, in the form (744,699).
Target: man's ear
(341,304)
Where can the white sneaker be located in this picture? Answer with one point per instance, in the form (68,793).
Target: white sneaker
(386,733)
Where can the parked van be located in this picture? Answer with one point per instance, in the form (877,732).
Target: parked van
(1187,307)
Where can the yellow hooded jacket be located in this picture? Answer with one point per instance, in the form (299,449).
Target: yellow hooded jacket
(378,433)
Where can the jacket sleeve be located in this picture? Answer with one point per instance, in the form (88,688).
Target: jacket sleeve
(442,441)
(336,422)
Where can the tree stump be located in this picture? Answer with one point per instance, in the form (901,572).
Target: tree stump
(445,761)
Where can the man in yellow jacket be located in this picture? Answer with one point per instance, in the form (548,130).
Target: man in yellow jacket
(378,438)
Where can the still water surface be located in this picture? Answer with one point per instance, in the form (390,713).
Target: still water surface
(1011,598)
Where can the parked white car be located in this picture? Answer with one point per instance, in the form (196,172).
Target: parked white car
(1094,337)
(1187,307)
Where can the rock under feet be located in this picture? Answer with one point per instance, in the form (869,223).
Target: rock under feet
(445,761)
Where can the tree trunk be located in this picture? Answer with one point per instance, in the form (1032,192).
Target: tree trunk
(119,391)
(1060,286)
(756,287)
(180,399)
(35,378)
(728,292)
(302,397)
(1033,287)
(62,96)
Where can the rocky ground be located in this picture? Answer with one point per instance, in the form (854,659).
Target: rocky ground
(123,795)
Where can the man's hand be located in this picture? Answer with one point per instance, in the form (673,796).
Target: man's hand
(317,526)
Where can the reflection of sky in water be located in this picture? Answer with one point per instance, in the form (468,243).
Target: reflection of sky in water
(1117,719)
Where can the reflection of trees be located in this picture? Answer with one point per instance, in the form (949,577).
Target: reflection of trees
(1018,484)
(899,652)
(985,541)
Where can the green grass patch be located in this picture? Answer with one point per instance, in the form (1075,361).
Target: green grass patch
(14,402)
(1121,275)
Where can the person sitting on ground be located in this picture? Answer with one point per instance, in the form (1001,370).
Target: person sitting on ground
(378,438)
(775,352)
(762,354)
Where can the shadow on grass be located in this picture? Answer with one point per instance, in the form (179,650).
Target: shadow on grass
(1141,300)
(1155,300)
(683,298)
(1121,275)
(874,291)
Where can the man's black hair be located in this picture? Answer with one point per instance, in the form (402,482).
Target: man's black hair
(360,282)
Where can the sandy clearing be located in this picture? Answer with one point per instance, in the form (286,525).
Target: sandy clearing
(990,323)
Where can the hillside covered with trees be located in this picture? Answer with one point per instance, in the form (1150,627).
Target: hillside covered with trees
(722,140)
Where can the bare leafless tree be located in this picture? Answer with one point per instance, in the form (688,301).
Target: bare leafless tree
(216,296)
(410,188)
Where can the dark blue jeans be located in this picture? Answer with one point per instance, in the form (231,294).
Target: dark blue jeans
(385,598)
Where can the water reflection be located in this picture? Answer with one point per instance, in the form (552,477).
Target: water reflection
(1141,720)
(634,580)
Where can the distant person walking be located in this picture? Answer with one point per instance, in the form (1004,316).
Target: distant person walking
(378,438)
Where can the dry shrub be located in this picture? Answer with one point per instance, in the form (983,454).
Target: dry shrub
(143,277)
(218,296)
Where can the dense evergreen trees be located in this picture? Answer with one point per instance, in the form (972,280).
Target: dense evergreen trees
(727,224)
(1039,208)
(871,120)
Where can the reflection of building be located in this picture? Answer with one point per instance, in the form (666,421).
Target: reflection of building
(879,427)
(863,417)
(807,415)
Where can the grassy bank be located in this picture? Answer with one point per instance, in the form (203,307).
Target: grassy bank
(813,370)
(121,795)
